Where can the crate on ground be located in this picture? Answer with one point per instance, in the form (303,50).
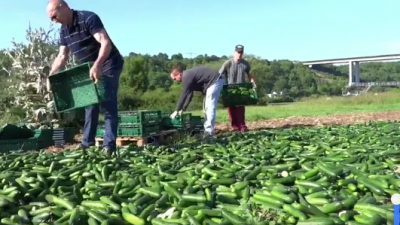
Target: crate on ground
(239,95)
(166,122)
(10,132)
(197,122)
(133,130)
(73,88)
(63,135)
(43,134)
(198,129)
(42,144)
(18,145)
(183,121)
(140,117)
(44,137)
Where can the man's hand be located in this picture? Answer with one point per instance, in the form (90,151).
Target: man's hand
(174,114)
(48,85)
(254,84)
(180,113)
(95,73)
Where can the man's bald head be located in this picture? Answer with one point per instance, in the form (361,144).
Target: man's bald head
(59,11)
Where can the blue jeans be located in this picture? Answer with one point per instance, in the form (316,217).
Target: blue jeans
(110,80)
(210,105)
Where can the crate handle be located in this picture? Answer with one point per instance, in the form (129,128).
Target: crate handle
(153,133)
(152,121)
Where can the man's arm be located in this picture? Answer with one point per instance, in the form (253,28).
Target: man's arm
(62,56)
(188,100)
(186,95)
(249,75)
(96,28)
(224,68)
(60,60)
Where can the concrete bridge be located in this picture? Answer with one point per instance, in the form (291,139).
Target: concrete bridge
(354,67)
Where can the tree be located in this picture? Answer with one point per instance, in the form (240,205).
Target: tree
(134,75)
(145,82)
(29,70)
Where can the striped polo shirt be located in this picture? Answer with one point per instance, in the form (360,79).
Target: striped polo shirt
(235,72)
(78,37)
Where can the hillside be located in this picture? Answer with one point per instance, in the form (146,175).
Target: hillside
(145,81)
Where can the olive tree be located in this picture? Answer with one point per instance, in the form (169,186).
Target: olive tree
(31,62)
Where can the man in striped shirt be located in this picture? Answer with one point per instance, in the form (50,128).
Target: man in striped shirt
(236,70)
(83,35)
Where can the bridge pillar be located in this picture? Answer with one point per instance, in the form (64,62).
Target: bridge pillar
(350,73)
(357,72)
(354,72)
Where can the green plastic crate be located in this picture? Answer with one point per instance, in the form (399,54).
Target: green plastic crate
(182,122)
(18,144)
(66,134)
(43,134)
(73,89)
(140,117)
(45,143)
(139,130)
(197,121)
(100,131)
(10,132)
(239,95)
(166,122)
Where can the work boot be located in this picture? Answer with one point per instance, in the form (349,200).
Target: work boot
(109,152)
(208,136)
(81,147)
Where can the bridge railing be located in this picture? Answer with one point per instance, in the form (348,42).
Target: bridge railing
(366,84)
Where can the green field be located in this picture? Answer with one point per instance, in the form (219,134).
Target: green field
(381,102)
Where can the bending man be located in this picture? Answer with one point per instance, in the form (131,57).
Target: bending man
(83,34)
(205,80)
(236,70)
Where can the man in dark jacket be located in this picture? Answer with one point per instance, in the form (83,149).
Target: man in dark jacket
(236,70)
(205,80)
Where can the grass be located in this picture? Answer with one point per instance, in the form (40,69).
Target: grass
(381,102)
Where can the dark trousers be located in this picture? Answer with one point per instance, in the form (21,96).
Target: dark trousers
(110,109)
(237,117)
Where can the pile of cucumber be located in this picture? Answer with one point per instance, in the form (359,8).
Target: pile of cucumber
(307,176)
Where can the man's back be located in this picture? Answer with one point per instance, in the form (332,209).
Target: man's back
(200,78)
(80,40)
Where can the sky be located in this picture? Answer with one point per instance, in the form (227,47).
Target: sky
(272,29)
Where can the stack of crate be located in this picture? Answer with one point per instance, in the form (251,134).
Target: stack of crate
(44,137)
(63,135)
(182,122)
(25,139)
(197,124)
(141,123)
(54,136)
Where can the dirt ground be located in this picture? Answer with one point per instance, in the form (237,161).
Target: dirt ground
(351,118)
(343,119)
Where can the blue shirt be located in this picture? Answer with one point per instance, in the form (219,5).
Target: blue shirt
(78,37)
